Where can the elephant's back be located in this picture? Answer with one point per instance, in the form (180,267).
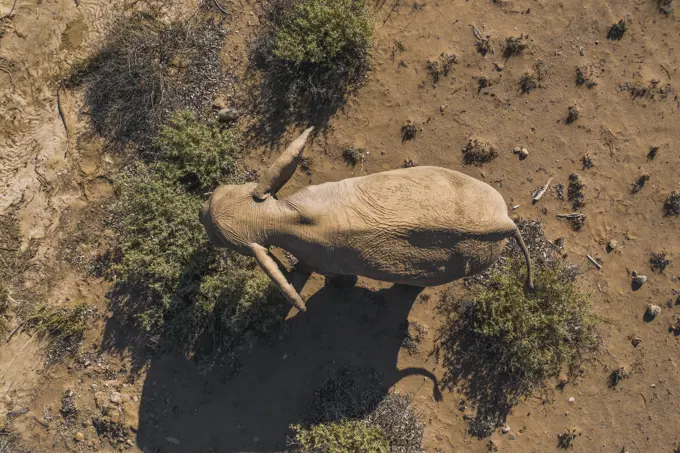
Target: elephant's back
(428,199)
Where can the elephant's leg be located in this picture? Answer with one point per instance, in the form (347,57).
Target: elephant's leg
(341,281)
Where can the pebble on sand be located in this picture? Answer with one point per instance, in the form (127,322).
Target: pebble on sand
(653,310)
(79,437)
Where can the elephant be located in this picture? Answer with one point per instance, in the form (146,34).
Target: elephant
(419,226)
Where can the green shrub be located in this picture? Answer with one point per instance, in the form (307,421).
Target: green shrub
(353,436)
(194,152)
(311,54)
(63,328)
(320,31)
(502,344)
(169,279)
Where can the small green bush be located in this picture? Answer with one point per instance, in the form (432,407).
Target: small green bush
(63,328)
(195,152)
(311,55)
(319,31)
(502,344)
(351,436)
(169,279)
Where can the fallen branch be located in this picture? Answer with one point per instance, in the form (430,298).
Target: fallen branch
(539,193)
(16,329)
(63,119)
(592,260)
(220,7)
(570,216)
(10,11)
(41,423)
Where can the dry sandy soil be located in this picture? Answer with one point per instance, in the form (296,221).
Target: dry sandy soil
(54,181)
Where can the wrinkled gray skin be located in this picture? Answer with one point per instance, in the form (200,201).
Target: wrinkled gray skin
(420,226)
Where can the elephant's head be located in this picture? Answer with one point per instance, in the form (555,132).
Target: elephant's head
(238,216)
(235,214)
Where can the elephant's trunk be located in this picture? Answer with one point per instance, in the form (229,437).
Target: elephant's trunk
(518,237)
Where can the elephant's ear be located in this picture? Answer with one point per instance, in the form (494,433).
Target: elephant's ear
(282,169)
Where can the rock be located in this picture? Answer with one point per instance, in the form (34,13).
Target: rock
(79,437)
(505,429)
(563,379)
(512,437)
(115,416)
(517,150)
(611,245)
(115,398)
(228,115)
(125,398)
(638,279)
(571,400)
(523,153)
(653,310)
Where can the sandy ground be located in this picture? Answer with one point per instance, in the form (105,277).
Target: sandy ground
(54,178)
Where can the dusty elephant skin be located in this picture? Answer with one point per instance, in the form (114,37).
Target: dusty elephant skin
(420,226)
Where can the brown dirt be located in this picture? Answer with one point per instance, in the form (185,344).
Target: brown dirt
(56,182)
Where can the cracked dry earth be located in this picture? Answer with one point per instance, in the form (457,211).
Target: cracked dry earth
(55,177)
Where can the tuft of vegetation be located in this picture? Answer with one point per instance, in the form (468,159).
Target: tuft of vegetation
(665,6)
(146,68)
(312,53)
(354,156)
(583,79)
(478,153)
(351,436)
(659,262)
(616,376)
(63,328)
(575,191)
(484,47)
(566,439)
(482,83)
(441,66)
(672,204)
(528,83)
(408,131)
(617,30)
(502,344)
(639,184)
(196,153)
(410,163)
(514,46)
(587,162)
(653,151)
(349,414)
(572,115)
(69,409)
(170,282)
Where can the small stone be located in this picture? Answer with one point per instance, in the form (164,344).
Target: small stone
(653,310)
(499,67)
(442,108)
(582,51)
(79,437)
(512,437)
(571,400)
(638,279)
(172,440)
(523,153)
(505,429)
(228,115)
(115,416)
(517,150)
(563,379)
(611,245)
(116,398)
(125,398)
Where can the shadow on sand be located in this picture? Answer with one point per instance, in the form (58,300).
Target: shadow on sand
(251,411)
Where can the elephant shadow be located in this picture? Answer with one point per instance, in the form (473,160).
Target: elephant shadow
(183,409)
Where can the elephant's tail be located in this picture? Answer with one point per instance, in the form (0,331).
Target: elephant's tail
(518,237)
